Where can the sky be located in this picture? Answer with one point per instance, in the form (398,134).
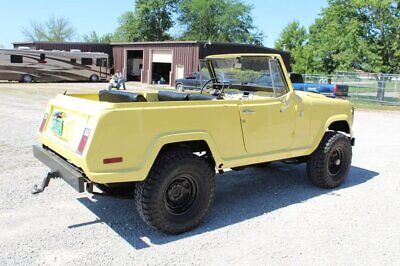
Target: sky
(270,16)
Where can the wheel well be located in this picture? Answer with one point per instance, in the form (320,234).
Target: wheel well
(342,126)
(200,147)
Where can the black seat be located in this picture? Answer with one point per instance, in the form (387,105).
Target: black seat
(120,96)
(172,96)
(201,97)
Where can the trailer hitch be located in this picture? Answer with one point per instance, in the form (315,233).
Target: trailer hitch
(45,182)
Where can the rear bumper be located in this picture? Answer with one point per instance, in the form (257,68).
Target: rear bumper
(60,167)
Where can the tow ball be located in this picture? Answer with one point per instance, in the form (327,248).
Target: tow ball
(54,175)
(45,182)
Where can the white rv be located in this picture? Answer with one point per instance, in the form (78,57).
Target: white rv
(26,65)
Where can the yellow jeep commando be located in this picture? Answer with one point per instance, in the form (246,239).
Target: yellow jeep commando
(166,147)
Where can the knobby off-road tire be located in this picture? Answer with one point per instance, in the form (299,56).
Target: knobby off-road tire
(329,165)
(117,189)
(177,193)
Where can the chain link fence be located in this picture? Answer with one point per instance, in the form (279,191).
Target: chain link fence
(364,87)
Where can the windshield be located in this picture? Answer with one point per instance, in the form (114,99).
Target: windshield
(251,71)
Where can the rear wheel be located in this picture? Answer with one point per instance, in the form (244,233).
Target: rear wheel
(26,78)
(94,78)
(329,165)
(119,189)
(178,192)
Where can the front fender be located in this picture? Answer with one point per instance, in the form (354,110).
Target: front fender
(325,126)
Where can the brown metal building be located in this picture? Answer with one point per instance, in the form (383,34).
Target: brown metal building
(173,60)
(150,62)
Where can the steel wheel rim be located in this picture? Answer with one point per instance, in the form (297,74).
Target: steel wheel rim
(180,194)
(335,162)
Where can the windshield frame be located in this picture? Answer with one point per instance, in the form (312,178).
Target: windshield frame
(249,87)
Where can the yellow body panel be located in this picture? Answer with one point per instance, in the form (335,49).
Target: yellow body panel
(278,128)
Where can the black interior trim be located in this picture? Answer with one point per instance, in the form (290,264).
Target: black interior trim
(172,96)
(120,96)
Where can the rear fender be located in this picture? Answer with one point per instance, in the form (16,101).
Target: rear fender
(156,148)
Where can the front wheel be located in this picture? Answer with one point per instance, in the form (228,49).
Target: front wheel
(178,192)
(329,165)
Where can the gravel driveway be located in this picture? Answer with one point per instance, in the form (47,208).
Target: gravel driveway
(260,216)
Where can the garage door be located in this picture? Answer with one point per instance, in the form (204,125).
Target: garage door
(162,56)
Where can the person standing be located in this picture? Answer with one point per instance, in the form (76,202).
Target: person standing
(121,81)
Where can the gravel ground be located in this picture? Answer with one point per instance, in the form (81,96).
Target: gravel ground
(260,216)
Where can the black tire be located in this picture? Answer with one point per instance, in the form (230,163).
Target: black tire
(179,87)
(119,189)
(26,78)
(329,165)
(177,193)
(94,78)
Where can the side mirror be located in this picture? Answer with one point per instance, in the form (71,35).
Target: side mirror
(296,78)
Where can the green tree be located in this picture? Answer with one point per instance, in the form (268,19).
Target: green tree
(93,37)
(356,34)
(218,20)
(293,39)
(150,21)
(54,30)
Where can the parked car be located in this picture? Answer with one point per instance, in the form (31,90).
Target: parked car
(330,90)
(166,147)
(190,82)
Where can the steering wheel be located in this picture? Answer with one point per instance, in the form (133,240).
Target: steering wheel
(215,92)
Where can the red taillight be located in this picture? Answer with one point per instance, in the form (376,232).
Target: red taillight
(44,121)
(335,88)
(83,141)
(113,160)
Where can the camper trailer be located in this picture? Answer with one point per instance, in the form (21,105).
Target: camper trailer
(26,65)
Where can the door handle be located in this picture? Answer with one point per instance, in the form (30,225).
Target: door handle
(248,111)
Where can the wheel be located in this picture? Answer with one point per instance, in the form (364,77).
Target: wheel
(26,78)
(94,78)
(329,165)
(179,87)
(119,189)
(177,193)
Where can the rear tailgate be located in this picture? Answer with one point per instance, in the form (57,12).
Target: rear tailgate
(332,90)
(68,120)
(341,90)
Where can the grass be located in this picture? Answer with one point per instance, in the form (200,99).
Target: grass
(366,105)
